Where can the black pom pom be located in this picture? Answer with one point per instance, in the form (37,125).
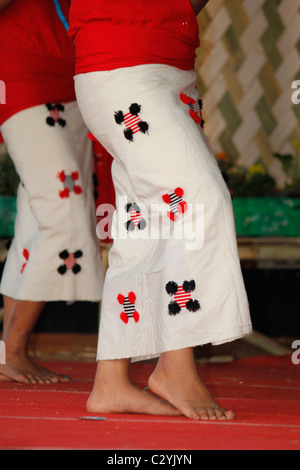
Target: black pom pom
(128,134)
(142,224)
(50,121)
(189,286)
(135,207)
(64,254)
(193,305)
(144,126)
(129,225)
(119,117)
(171,288)
(76,269)
(174,308)
(62,122)
(135,109)
(62,269)
(60,107)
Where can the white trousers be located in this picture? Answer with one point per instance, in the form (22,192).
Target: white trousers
(55,252)
(174,277)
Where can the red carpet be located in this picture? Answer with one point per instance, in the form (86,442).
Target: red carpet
(264,392)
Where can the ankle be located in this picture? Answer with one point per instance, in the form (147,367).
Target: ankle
(112,373)
(14,352)
(176,362)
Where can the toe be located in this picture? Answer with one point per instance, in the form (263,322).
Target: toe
(212,414)
(230,415)
(204,414)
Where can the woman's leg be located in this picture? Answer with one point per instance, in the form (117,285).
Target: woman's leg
(18,325)
(9,305)
(19,320)
(164,295)
(55,254)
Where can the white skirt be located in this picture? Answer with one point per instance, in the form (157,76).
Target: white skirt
(174,278)
(55,253)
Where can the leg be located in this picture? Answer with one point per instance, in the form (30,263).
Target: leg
(176,379)
(45,226)
(177,157)
(18,328)
(9,305)
(21,316)
(114,393)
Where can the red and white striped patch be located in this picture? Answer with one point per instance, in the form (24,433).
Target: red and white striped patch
(131,122)
(70,261)
(182,297)
(136,217)
(55,114)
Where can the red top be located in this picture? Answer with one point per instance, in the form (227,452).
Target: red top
(36,56)
(118,33)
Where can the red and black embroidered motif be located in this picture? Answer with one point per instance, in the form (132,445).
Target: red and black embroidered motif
(26,256)
(133,122)
(136,218)
(196,115)
(200,102)
(182,297)
(177,204)
(54,114)
(70,262)
(69,182)
(129,307)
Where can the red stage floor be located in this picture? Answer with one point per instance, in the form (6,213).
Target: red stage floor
(264,392)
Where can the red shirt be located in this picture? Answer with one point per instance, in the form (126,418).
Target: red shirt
(36,56)
(110,34)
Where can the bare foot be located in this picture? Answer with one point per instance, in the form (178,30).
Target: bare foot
(129,399)
(113,392)
(183,388)
(21,369)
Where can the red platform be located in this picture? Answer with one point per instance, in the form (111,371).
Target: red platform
(264,392)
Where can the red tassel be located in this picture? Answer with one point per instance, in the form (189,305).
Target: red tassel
(166,198)
(172,216)
(186,99)
(182,207)
(178,192)
(26,256)
(23,267)
(75,175)
(61,176)
(136,316)
(131,297)
(195,116)
(124,317)
(64,194)
(77,190)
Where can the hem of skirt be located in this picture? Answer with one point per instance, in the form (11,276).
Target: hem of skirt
(244,331)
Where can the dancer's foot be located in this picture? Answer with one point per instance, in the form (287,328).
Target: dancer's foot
(129,399)
(23,370)
(19,320)
(176,380)
(114,393)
